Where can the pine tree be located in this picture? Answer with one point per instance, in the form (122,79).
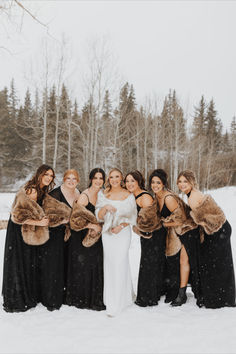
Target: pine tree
(199,138)
(50,113)
(13,100)
(199,120)
(64,132)
(213,127)
(11,145)
(214,138)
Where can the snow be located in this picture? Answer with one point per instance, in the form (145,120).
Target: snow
(159,329)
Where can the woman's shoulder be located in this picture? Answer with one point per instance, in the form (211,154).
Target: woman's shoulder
(171,200)
(145,199)
(83,198)
(125,193)
(195,199)
(170,196)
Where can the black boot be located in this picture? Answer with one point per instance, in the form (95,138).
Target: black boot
(181,298)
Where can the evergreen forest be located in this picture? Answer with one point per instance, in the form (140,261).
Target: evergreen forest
(48,126)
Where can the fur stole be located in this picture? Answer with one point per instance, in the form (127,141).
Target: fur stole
(148,220)
(58,213)
(80,218)
(24,208)
(209,215)
(180,215)
(3,224)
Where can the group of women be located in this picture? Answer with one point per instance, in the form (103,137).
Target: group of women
(67,247)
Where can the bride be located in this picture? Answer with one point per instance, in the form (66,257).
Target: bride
(116,207)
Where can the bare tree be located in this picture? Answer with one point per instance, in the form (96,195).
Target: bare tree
(100,75)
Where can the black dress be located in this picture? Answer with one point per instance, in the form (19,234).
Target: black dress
(191,242)
(21,289)
(85,272)
(217,270)
(52,263)
(151,281)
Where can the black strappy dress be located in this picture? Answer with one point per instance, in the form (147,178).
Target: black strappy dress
(53,263)
(151,281)
(85,271)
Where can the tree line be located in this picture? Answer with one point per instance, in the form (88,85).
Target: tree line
(51,127)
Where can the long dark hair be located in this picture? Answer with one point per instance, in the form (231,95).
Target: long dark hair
(93,173)
(34,182)
(137,175)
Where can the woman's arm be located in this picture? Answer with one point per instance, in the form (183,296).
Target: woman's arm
(83,199)
(146,200)
(171,204)
(195,199)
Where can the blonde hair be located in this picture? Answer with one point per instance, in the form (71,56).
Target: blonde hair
(71,172)
(190,177)
(107,184)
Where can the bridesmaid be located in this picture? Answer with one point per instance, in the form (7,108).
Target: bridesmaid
(151,261)
(181,224)
(85,264)
(53,254)
(26,231)
(216,262)
(116,207)
(159,267)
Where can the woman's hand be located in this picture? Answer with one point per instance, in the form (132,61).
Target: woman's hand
(117,229)
(95,227)
(109,208)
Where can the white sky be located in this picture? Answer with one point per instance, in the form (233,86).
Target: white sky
(189,46)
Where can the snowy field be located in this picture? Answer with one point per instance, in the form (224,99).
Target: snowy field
(159,329)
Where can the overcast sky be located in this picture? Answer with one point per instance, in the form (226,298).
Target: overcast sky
(189,46)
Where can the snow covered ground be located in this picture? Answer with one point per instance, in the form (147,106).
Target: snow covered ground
(160,329)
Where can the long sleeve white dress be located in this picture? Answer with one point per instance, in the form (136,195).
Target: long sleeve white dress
(118,290)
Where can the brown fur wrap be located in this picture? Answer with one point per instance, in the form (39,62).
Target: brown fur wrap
(180,215)
(148,220)
(209,215)
(80,218)
(57,212)
(24,208)
(3,224)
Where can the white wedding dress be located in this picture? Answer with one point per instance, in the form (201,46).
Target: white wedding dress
(118,290)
